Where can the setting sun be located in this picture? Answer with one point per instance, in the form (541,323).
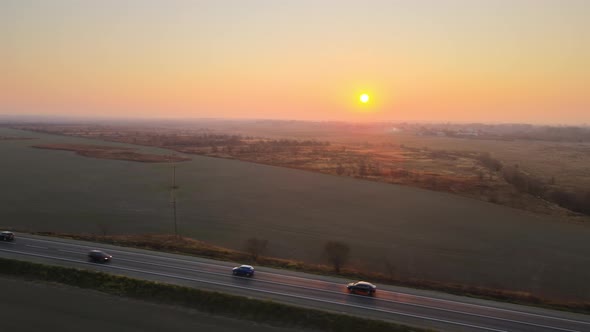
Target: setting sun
(364,98)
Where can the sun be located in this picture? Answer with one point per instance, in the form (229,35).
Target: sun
(364,98)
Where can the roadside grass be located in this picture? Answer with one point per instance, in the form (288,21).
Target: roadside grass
(263,311)
(183,245)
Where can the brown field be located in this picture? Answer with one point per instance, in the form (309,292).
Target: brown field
(109,152)
(567,161)
(15,138)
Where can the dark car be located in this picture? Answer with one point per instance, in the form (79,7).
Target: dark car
(99,256)
(362,287)
(6,236)
(243,270)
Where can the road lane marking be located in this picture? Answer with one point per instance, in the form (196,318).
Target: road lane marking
(467,305)
(71,251)
(265,291)
(38,247)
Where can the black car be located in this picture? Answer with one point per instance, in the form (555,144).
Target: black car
(99,256)
(362,287)
(6,236)
(243,270)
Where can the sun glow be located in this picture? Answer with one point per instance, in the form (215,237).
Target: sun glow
(364,98)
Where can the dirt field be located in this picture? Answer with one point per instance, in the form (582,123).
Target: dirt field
(13,138)
(109,152)
(424,234)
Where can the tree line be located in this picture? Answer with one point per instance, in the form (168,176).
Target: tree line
(574,200)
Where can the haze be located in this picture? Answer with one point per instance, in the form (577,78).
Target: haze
(492,61)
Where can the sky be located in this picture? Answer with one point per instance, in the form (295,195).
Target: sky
(423,60)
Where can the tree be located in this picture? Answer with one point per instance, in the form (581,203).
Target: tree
(337,254)
(480,175)
(490,163)
(363,169)
(103,227)
(256,247)
(391,269)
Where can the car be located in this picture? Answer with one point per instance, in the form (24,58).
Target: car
(99,256)
(243,270)
(6,236)
(361,287)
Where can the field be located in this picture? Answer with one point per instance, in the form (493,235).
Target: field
(40,306)
(109,152)
(424,234)
(546,172)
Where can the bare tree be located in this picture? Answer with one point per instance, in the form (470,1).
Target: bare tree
(256,247)
(337,254)
(103,227)
(391,269)
(362,169)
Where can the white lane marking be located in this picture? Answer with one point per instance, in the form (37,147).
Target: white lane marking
(38,247)
(465,304)
(70,251)
(333,283)
(262,290)
(330,291)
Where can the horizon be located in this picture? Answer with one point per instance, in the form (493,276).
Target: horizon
(430,61)
(48,118)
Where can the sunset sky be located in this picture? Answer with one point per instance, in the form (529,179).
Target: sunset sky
(425,60)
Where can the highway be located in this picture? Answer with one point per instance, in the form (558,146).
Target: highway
(419,308)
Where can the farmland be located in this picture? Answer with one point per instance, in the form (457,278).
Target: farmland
(424,234)
(546,173)
(109,152)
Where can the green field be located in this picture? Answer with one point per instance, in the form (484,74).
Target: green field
(38,306)
(424,234)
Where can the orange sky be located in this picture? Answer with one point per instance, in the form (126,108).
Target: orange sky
(431,60)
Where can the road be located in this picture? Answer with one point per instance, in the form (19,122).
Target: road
(402,305)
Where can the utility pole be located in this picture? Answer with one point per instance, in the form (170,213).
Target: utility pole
(174,176)
(173,200)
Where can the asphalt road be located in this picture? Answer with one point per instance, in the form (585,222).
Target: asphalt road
(402,305)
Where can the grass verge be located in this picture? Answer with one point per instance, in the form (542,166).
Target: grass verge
(182,245)
(206,301)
